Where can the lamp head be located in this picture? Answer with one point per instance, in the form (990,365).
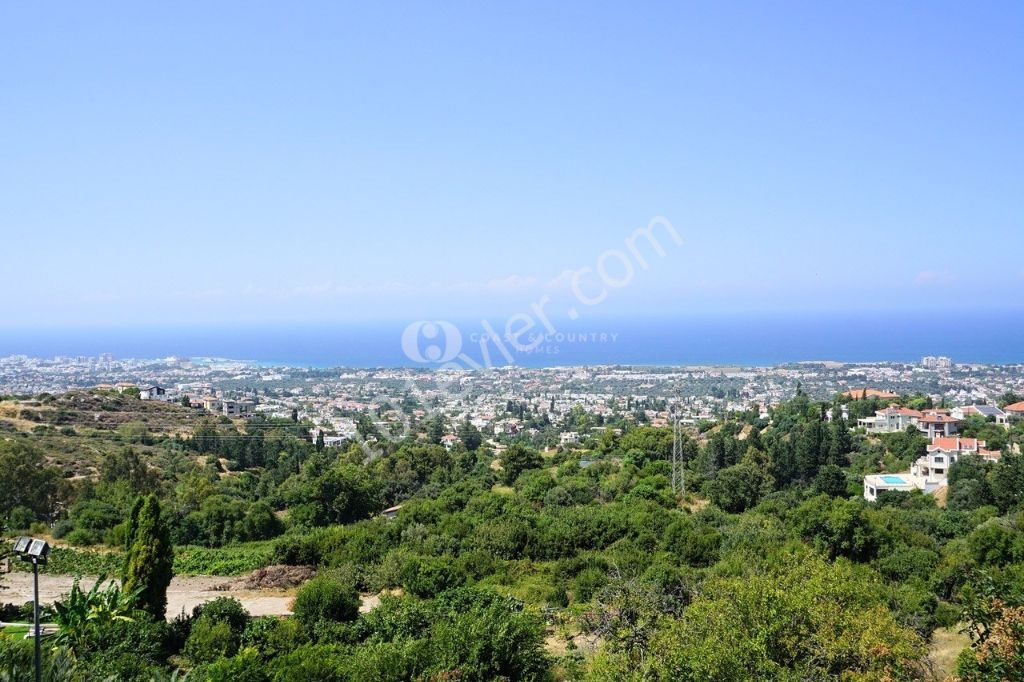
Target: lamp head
(39,549)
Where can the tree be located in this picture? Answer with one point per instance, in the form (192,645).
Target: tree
(836,526)
(341,494)
(320,440)
(517,459)
(126,465)
(435,429)
(150,559)
(26,480)
(808,619)
(831,481)
(1008,482)
(470,435)
(739,487)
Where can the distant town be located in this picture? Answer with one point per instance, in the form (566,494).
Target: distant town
(544,406)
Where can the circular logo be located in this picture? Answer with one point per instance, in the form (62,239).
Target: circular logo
(431,341)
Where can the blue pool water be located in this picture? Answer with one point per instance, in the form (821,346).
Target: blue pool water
(894,480)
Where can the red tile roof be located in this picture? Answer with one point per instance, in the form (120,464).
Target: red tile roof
(937,419)
(858,393)
(956,444)
(1016,407)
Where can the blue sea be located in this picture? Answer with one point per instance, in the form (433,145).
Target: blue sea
(749,340)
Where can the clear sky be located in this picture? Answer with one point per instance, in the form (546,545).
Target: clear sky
(201,163)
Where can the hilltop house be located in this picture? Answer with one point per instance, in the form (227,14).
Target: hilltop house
(930,472)
(893,419)
(1016,410)
(937,424)
(989,412)
(153,392)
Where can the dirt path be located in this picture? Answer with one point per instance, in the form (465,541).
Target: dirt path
(183,593)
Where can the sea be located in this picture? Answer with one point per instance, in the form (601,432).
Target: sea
(747,340)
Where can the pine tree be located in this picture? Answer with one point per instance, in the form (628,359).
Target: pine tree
(150,559)
(320,440)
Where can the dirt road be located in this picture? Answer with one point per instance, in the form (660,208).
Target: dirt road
(183,593)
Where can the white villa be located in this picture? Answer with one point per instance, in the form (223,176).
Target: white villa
(569,438)
(987,411)
(893,419)
(931,472)
(890,420)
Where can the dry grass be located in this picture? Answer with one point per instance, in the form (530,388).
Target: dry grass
(693,504)
(945,646)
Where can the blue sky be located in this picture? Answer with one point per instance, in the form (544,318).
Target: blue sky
(206,163)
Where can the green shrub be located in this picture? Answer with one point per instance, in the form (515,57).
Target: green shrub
(273,637)
(429,576)
(210,639)
(326,598)
(246,666)
(81,537)
(225,610)
(21,518)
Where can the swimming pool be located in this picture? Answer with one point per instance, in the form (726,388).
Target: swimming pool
(893,480)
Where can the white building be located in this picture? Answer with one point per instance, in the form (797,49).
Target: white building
(989,412)
(892,419)
(930,472)
(153,393)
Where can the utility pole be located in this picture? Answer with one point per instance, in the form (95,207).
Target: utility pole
(35,614)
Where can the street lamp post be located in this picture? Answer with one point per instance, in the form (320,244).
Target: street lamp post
(34,551)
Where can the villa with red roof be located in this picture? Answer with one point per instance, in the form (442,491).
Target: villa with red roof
(1015,410)
(890,420)
(936,424)
(893,419)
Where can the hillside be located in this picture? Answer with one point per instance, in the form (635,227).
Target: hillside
(576,563)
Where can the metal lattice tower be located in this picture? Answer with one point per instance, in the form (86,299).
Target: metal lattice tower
(678,474)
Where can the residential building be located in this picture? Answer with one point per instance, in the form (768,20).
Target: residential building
(861,393)
(936,425)
(989,412)
(892,419)
(153,393)
(930,472)
(1016,410)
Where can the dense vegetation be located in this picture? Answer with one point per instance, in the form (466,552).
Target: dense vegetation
(576,563)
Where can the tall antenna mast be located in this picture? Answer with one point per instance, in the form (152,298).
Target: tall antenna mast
(678,475)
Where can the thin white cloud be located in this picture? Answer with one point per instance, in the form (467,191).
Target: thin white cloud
(933,277)
(560,282)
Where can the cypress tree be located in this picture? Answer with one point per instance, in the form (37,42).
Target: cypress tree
(133,523)
(149,564)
